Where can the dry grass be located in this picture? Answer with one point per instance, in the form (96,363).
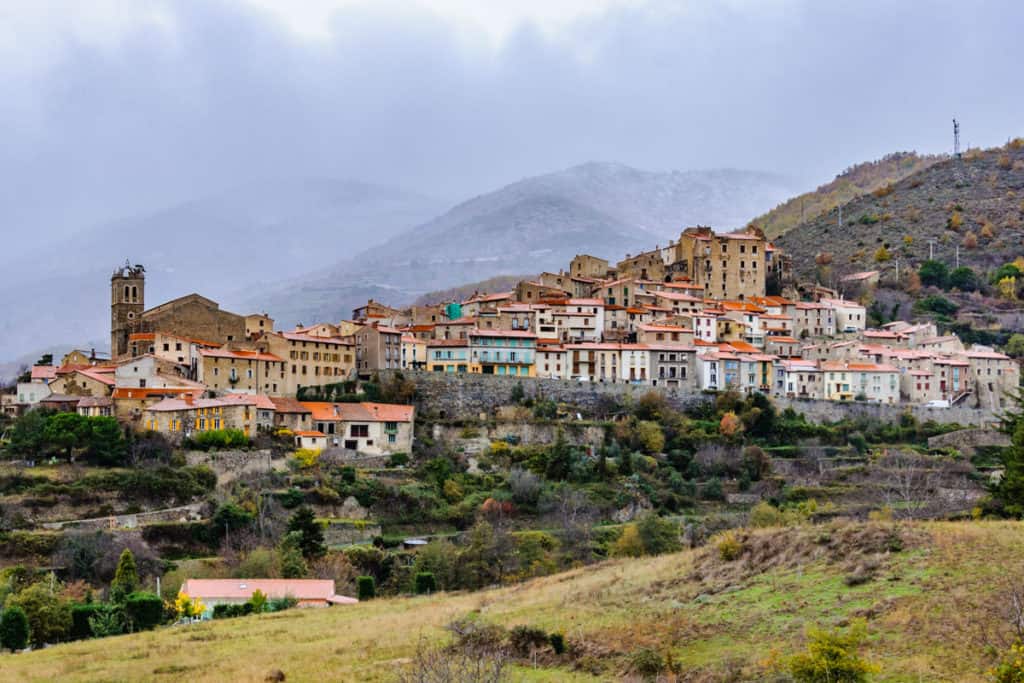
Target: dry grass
(930,593)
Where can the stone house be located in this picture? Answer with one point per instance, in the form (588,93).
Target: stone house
(176,418)
(587,266)
(242,371)
(674,366)
(378,348)
(374,428)
(309,360)
(730,266)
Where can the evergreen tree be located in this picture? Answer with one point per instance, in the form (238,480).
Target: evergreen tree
(13,629)
(289,554)
(1009,492)
(311,542)
(126,577)
(559,459)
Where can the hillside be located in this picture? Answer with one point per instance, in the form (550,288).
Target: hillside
(920,587)
(855,181)
(975,203)
(217,244)
(499,283)
(532,225)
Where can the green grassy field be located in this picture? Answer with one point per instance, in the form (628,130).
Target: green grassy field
(930,597)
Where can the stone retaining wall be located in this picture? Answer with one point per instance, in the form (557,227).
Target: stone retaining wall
(228,465)
(470,396)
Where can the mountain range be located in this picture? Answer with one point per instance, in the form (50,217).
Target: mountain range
(312,249)
(536,224)
(58,293)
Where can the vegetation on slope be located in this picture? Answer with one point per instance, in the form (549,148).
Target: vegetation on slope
(972,206)
(918,587)
(860,179)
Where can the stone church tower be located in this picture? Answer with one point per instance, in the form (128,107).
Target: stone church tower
(127,301)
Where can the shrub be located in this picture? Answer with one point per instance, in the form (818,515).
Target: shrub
(628,544)
(1011,669)
(398,460)
(144,611)
(766,515)
(107,621)
(939,305)
(934,274)
(955,220)
(964,279)
(729,546)
(832,656)
(557,641)
(307,457)
(525,639)
(425,583)
(713,489)
(13,629)
(970,241)
(882,255)
(126,578)
(366,587)
(281,604)
(49,616)
(657,535)
(258,601)
(647,663)
(80,617)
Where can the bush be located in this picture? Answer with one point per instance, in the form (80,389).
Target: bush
(934,274)
(13,629)
(218,438)
(557,641)
(766,515)
(1011,669)
(49,616)
(398,460)
(281,604)
(832,657)
(939,305)
(425,583)
(729,546)
(80,617)
(658,535)
(713,490)
(647,662)
(525,639)
(366,587)
(144,611)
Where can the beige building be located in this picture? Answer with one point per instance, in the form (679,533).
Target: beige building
(996,378)
(378,348)
(257,324)
(530,291)
(414,352)
(310,361)
(648,265)
(845,381)
(374,428)
(584,265)
(177,418)
(240,371)
(729,265)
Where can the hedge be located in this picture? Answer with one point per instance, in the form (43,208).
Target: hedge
(80,614)
(145,610)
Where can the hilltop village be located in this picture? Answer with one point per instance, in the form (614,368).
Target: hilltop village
(696,315)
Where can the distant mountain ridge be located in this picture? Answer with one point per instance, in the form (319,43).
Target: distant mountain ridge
(237,239)
(535,224)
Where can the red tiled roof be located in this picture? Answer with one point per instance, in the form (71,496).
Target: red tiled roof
(311,433)
(359,412)
(43,372)
(283,404)
(240,355)
(136,393)
(242,589)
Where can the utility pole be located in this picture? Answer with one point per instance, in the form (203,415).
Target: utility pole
(931,250)
(957,256)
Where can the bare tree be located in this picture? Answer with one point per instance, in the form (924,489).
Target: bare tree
(571,511)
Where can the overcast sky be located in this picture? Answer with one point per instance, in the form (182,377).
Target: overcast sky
(110,107)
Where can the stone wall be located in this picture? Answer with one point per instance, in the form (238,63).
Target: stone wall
(524,433)
(470,396)
(184,513)
(967,441)
(342,532)
(228,465)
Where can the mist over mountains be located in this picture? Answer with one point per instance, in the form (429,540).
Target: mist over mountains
(58,292)
(536,224)
(312,249)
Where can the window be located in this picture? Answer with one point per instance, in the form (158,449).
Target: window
(359,430)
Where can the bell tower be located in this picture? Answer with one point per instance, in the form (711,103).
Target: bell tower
(127,301)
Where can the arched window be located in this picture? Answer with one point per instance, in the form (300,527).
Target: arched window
(135,294)
(125,294)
